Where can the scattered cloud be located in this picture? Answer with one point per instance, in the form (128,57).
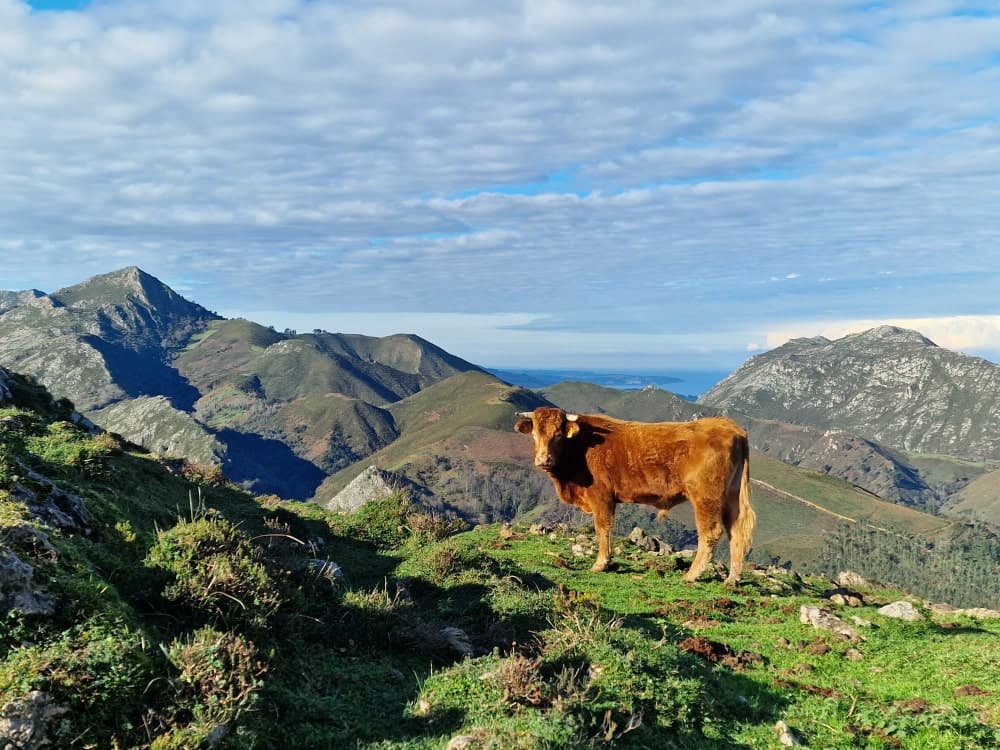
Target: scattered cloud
(973,334)
(635,172)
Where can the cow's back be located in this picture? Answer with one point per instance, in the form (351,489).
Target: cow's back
(641,461)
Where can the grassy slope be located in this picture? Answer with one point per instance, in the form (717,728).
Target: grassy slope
(980,498)
(440,413)
(645,405)
(560,657)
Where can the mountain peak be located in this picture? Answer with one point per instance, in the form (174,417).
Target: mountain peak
(888,384)
(129,286)
(891,335)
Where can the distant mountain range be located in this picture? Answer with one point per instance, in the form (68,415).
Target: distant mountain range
(301,415)
(278,410)
(932,412)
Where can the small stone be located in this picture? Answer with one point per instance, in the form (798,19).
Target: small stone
(901,610)
(458,639)
(579,550)
(24,722)
(861,622)
(850,579)
(853,654)
(461,742)
(823,620)
(786,735)
(846,598)
(980,613)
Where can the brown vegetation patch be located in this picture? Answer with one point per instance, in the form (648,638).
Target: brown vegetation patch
(884,737)
(818,647)
(914,706)
(720,653)
(963,691)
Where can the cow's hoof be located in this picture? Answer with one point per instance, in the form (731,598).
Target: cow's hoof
(731,583)
(599,567)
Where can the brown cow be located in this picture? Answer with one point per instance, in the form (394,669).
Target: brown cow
(596,462)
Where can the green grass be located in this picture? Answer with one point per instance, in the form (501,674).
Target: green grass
(189,605)
(840,497)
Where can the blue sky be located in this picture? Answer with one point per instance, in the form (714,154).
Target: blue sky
(635,185)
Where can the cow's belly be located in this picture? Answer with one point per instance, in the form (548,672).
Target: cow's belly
(657,500)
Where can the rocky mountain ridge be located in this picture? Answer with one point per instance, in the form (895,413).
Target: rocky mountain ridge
(888,384)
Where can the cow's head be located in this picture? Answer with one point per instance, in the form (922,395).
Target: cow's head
(549,428)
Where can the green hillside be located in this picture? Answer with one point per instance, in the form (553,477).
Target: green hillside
(645,405)
(439,414)
(979,499)
(149,605)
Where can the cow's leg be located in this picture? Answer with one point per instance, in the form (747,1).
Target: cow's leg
(709,523)
(604,524)
(740,520)
(737,544)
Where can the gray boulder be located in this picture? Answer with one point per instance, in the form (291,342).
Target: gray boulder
(18,592)
(901,610)
(51,505)
(371,484)
(824,620)
(24,722)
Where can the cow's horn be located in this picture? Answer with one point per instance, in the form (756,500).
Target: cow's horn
(526,414)
(572,417)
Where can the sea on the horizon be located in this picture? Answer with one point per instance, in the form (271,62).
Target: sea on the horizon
(686,383)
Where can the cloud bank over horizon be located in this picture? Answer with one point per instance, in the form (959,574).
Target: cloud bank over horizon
(572,180)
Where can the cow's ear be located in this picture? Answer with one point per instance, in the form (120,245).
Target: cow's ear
(524,425)
(572,428)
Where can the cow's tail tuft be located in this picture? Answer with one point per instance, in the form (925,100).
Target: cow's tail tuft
(741,531)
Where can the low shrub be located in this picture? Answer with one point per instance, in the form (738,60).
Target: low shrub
(217,571)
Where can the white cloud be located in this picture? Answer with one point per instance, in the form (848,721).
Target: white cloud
(630,169)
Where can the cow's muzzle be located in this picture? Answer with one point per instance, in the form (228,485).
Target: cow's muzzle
(545,462)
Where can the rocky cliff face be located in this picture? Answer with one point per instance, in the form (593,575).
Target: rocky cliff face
(104,340)
(9,299)
(888,384)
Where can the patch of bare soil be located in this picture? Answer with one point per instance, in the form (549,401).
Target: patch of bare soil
(720,653)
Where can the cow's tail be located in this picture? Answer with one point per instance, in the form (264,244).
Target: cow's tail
(741,527)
